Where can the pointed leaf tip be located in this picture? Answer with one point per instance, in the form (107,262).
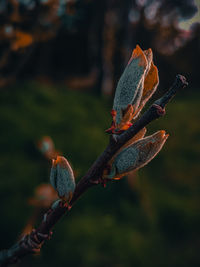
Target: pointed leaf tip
(137,155)
(136,85)
(138,53)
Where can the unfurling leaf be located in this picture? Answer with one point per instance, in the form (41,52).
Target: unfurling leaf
(137,155)
(136,85)
(129,86)
(62,178)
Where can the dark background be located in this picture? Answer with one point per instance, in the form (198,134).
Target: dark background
(59,65)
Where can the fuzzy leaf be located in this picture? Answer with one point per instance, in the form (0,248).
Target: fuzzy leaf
(129,85)
(62,178)
(136,85)
(137,155)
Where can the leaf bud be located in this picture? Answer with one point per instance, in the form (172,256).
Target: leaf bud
(62,178)
(137,155)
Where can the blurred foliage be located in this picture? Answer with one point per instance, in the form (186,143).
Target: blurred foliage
(150,221)
(27,23)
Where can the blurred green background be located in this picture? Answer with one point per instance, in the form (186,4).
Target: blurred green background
(150,220)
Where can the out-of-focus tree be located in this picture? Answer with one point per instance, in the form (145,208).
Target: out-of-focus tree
(27,23)
(151,23)
(157,24)
(86,43)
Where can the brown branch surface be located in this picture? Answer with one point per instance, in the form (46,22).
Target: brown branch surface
(32,242)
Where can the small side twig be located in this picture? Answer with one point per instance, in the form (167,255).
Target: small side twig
(33,242)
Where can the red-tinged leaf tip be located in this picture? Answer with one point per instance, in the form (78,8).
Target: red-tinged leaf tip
(113,112)
(61,161)
(138,53)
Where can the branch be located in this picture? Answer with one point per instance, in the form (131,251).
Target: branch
(32,242)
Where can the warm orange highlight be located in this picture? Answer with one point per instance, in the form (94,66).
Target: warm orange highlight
(22,40)
(126,118)
(120,176)
(150,81)
(163,134)
(135,138)
(61,161)
(138,53)
(126,126)
(149,55)
(117,178)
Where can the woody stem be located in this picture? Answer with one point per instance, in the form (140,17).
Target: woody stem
(94,174)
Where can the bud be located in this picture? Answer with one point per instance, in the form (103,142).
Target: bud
(62,178)
(151,82)
(130,85)
(137,155)
(136,85)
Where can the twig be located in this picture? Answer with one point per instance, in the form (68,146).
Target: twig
(32,242)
